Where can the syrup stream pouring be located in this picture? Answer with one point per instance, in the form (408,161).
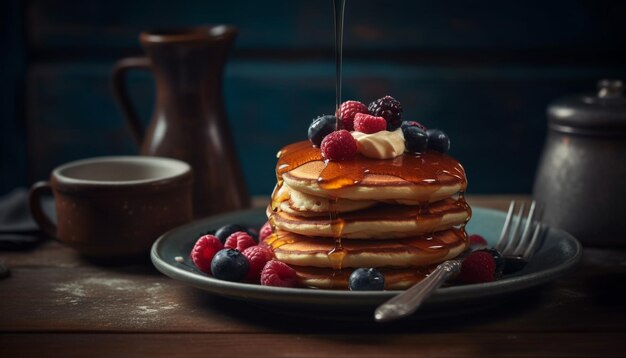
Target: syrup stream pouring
(513,244)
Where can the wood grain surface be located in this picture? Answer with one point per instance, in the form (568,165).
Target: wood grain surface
(56,303)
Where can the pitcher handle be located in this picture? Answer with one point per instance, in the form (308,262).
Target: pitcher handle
(40,217)
(118,80)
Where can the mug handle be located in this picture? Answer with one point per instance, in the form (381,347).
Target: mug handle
(118,81)
(34,199)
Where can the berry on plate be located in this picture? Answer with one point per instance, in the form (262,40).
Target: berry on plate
(320,128)
(498,258)
(415,139)
(229,265)
(203,251)
(438,140)
(257,257)
(266,230)
(225,231)
(347,112)
(366,123)
(366,279)
(276,273)
(339,145)
(388,108)
(478,267)
(477,241)
(239,240)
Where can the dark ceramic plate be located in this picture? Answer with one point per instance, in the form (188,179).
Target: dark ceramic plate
(558,253)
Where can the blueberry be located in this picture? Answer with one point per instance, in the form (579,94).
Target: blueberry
(514,264)
(415,138)
(438,140)
(229,265)
(497,257)
(413,124)
(321,127)
(225,231)
(366,279)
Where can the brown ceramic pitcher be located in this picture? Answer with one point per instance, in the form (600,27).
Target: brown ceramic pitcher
(189,121)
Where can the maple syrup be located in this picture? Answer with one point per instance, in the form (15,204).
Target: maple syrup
(340,7)
(428,169)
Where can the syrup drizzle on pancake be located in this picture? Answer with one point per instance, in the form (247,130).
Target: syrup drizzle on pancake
(425,169)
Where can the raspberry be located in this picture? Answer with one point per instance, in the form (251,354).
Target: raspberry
(498,259)
(366,123)
(388,108)
(478,267)
(266,230)
(347,112)
(257,256)
(339,145)
(204,250)
(239,240)
(276,273)
(477,241)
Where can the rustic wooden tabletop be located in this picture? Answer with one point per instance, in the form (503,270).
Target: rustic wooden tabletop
(57,304)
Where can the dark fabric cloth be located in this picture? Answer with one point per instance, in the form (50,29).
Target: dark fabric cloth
(18,230)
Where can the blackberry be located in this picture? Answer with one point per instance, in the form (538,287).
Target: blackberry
(388,108)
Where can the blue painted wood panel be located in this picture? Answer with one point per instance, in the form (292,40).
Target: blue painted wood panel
(482,70)
(495,116)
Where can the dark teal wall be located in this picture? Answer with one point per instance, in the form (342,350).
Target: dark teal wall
(484,71)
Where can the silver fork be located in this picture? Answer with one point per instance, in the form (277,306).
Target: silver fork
(516,246)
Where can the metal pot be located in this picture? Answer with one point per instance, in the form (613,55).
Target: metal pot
(581,179)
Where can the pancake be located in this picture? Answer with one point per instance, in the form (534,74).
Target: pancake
(395,279)
(401,215)
(301,250)
(373,186)
(423,177)
(380,222)
(301,204)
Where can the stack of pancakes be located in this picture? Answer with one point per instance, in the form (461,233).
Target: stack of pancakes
(402,216)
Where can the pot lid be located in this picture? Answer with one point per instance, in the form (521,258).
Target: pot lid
(601,112)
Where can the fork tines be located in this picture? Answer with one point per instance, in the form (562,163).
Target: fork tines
(515,240)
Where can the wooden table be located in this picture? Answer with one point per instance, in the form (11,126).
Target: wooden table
(57,304)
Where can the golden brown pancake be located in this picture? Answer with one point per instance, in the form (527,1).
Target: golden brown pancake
(373,186)
(301,250)
(422,177)
(395,278)
(380,222)
(301,204)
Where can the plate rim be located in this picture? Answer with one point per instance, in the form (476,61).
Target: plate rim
(240,290)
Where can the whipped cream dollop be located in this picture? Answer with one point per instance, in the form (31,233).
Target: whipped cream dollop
(380,145)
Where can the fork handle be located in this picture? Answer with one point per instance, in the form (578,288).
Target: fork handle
(408,301)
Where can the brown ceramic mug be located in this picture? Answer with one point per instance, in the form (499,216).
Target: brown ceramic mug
(114,207)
